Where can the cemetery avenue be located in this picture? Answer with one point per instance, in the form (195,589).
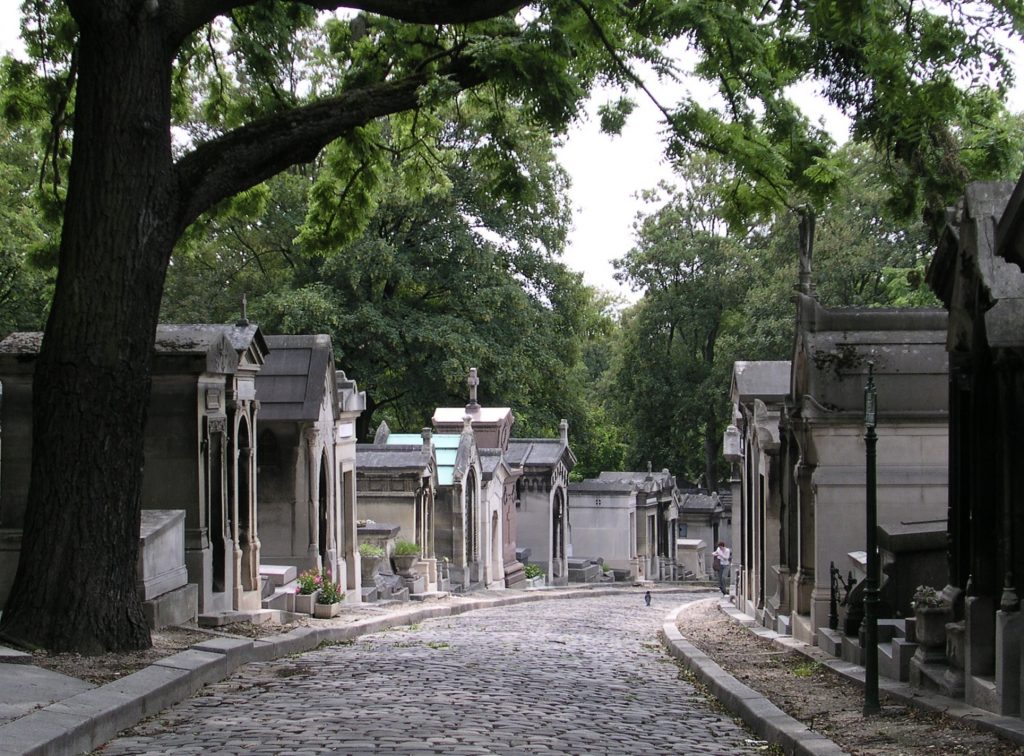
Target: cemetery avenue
(564,676)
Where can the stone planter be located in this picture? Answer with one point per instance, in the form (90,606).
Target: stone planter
(368,568)
(930,629)
(405,564)
(305,602)
(326,611)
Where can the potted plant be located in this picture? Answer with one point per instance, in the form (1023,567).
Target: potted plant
(308,584)
(369,560)
(328,600)
(534,574)
(931,613)
(405,557)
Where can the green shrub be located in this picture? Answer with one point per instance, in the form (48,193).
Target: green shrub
(406,548)
(369,550)
(533,570)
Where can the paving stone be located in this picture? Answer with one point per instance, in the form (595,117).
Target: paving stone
(582,676)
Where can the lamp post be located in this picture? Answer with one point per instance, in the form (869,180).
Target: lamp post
(871,705)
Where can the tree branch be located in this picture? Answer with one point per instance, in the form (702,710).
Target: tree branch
(253,153)
(185,16)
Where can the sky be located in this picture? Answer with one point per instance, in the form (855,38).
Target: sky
(607,172)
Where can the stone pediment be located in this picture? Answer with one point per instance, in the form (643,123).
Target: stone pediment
(221,357)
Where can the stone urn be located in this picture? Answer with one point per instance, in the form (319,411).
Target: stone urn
(368,566)
(405,563)
(930,629)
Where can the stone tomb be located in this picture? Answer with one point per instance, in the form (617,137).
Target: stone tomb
(397,484)
(976,273)
(307,489)
(199,448)
(161,578)
(542,500)
(491,429)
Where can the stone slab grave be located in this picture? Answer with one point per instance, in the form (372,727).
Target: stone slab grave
(161,578)
(584,570)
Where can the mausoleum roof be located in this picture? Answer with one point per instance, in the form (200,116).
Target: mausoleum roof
(294,377)
(907,347)
(391,457)
(446,451)
(191,339)
(479,415)
(197,338)
(700,502)
(539,452)
(767,380)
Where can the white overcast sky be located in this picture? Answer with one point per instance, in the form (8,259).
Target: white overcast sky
(607,172)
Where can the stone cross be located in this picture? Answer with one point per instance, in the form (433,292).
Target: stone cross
(244,320)
(472,382)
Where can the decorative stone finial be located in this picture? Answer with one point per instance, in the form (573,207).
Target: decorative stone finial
(427,435)
(563,431)
(467,423)
(472,382)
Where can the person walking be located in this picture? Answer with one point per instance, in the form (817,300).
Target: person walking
(722,559)
(647,598)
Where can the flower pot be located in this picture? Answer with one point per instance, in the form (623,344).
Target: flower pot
(326,611)
(404,564)
(304,602)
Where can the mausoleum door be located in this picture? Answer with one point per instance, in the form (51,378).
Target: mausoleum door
(497,552)
(216,517)
(323,517)
(558,529)
(472,537)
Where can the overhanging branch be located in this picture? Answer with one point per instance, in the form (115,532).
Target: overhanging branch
(253,153)
(185,16)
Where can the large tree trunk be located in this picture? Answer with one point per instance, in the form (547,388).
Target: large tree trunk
(75,585)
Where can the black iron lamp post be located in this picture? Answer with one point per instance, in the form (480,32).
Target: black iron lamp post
(871,705)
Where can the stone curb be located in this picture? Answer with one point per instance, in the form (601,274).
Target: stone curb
(762,716)
(82,723)
(1010,728)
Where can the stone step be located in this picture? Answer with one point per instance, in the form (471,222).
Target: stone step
(368,595)
(428,596)
(252,617)
(279,574)
(13,656)
(830,641)
(281,599)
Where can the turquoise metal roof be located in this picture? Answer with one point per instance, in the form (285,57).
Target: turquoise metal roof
(446,449)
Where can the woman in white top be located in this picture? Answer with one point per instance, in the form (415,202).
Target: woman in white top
(723,558)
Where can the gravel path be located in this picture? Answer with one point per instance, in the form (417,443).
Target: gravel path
(824,701)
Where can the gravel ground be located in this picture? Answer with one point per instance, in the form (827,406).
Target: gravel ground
(827,703)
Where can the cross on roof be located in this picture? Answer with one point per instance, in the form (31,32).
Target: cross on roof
(472,382)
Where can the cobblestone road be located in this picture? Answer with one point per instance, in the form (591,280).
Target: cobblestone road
(582,676)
